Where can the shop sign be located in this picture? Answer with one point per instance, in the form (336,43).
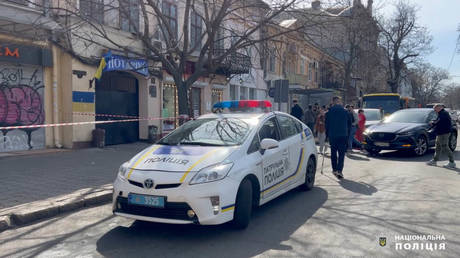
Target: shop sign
(22,54)
(119,63)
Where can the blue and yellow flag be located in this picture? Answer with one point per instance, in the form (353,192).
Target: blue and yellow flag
(102,65)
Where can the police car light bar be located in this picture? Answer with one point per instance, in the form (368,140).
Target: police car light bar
(241,105)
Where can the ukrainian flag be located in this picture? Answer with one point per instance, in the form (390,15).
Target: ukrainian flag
(102,65)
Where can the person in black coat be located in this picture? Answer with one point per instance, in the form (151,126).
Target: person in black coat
(296,110)
(442,127)
(338,126)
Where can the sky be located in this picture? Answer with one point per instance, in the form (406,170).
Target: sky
(442,18)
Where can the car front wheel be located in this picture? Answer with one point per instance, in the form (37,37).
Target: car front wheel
(421,146)
(453,142)
(243,205)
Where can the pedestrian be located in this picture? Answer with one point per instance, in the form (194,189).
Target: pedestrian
(320,128)
(361,126)
(296,110)
(310,117)
(354,123)
(442,127)
(316,109)
(337,129)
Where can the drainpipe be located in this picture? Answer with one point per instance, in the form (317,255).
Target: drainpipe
(56,129)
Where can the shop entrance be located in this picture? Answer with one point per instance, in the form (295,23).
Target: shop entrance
(117,94)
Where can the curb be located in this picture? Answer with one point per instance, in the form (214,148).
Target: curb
(30,212)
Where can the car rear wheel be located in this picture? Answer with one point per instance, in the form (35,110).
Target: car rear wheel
(421,146)
(243,205)
(453,141)
(309,175)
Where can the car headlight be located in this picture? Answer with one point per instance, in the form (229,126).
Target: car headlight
(366,132)
(123,170)
(212,173)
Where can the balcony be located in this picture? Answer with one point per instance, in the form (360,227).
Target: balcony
(297,79)
(234,63)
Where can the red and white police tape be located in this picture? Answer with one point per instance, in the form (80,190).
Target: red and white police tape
(103,115)
(134,119)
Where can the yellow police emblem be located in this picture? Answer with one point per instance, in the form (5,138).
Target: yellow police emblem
(383,241)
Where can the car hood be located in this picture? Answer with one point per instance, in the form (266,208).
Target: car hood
(370,123)
(179,158)
(394,127)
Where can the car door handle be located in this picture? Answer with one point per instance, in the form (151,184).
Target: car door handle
(259,163)
(285,153)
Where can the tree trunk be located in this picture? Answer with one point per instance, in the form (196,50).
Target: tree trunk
(183,101)
(393,86)
(347,83)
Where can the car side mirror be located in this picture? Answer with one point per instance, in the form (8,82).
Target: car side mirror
(268,143)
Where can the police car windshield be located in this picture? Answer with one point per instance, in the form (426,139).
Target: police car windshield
(209,132)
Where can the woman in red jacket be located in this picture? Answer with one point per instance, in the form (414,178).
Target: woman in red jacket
(361,126)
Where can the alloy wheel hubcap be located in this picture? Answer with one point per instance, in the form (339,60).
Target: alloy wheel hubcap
(421,146)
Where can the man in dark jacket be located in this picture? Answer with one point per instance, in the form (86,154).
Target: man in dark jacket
(296,110)
(338,124)
(442,128)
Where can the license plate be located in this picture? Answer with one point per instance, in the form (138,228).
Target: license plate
(146,200)
(382,144)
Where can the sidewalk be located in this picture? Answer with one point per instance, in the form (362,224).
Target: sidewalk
(29,178)
(54,177)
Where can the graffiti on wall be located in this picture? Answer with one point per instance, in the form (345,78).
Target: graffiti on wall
(21,103)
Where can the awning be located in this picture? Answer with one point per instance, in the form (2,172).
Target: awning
(310,91)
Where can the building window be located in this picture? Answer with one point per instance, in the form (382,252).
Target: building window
(302,65)
(316,72)
(252,93)
(169,11)
(233,92)
(310,70)
(129,15)
(196,25)
(243,92)
(217,96)
(219,40)
(93,10)
(272,62)
(170,108)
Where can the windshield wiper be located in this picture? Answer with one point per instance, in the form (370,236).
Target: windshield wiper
(167,143)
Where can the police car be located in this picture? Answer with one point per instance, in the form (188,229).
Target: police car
(218,167)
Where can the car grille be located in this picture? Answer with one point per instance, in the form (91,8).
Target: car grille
(158,186)
(383,136)
(172,210)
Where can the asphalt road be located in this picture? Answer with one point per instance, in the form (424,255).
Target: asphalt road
(386,196)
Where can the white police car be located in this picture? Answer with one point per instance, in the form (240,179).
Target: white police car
(218,167)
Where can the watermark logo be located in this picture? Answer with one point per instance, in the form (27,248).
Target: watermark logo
(383,241)
(420,242)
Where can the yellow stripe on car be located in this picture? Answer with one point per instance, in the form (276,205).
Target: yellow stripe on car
(154,148)
(228,209)
(196,163)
